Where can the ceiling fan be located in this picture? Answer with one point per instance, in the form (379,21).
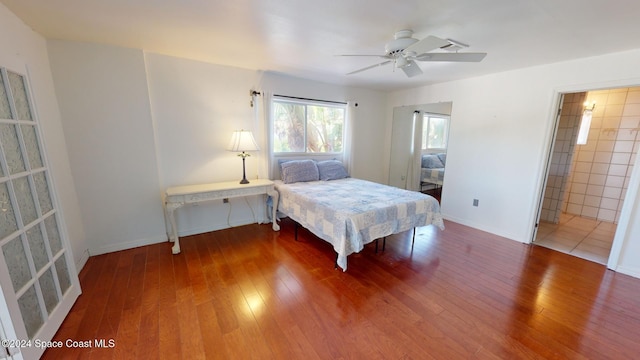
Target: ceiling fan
(404,50)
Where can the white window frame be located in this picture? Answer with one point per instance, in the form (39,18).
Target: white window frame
(308,102)
(425,128)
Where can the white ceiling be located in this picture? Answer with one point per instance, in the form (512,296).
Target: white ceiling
(301,38)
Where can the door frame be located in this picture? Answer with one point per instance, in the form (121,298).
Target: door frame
(631,196)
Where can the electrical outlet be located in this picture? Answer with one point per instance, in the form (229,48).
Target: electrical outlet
(225,201)
(475,202)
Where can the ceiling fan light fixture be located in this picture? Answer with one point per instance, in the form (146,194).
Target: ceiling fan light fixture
(401,62)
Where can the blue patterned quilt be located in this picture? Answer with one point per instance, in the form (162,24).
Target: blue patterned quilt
(349,213)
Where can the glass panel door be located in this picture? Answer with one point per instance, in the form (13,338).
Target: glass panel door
(37,274)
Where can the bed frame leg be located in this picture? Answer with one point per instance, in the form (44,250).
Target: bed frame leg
(413,240)
(295,231)
(335,263)
(384,242)
(376,246)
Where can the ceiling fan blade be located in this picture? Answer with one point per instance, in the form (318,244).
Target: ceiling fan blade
(370,67)
(459,57)
(427,44)
(411,69)
(364,55)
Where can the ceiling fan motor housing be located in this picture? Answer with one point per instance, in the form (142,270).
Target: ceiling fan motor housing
(402,40)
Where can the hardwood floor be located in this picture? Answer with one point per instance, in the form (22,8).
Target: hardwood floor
(251,293)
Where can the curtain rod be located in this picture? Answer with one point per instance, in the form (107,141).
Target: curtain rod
(253,93)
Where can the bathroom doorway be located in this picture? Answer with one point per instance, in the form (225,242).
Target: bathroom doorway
(586,183)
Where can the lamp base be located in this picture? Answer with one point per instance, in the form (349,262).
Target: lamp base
(244,173)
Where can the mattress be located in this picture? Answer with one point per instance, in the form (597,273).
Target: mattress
(350,213)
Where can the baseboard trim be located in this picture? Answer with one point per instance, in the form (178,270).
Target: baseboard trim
(127,245)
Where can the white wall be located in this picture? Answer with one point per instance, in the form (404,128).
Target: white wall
(196,106)
(22,48)
(102,92)
(138,123)
(500,132)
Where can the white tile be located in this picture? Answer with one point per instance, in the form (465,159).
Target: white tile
(594,190)
(629,122)
(585,156)
(583,166)
(617,98)
(574,208)
(618,170)
(580,177)
(615,181)
(612,115)
(600,168)
(602,157)
(597,179)
(631,110)
(593,201)
(579,188)
(626,135)
(576,198)
(633,97)
(610,204)
(612,192)
(607,215)
(623,146)
(605,145)
(589,211)
(620,158)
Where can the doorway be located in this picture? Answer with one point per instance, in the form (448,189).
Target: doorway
(587,183)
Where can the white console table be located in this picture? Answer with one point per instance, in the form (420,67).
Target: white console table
(176,197)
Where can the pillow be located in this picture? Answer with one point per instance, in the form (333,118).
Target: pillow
(443,158)
(299,171)
(332,170)
(431,161)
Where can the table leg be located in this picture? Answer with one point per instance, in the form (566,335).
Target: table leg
(173,237)
(274,208)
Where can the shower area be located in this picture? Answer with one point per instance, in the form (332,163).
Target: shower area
(588,179)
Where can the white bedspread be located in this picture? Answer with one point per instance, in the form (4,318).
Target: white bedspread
(349,213)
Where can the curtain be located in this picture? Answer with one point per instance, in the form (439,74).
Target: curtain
(347,146)
(263,124)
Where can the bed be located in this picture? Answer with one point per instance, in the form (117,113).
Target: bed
(346,212)
(432,169)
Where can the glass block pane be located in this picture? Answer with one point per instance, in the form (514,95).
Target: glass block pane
(25,200)
(11,146)
(5,109)
(17,264)
(42,188)
(54,236)
(63,274)
(37,248)
(48,288)
(8,223)
(20,99)
(31,145)
(30,310)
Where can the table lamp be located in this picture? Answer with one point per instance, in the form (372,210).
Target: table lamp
(243,141)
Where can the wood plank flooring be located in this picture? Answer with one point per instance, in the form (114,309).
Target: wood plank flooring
(251,293)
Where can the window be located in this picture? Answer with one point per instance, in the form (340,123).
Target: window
(306,126)
(434,132)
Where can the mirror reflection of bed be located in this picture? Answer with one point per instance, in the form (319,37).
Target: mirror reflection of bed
(419,147)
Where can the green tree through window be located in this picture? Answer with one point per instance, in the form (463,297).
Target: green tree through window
(307,127)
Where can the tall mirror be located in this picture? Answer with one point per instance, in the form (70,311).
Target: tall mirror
(419,137)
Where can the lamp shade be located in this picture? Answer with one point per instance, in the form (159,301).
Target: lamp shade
(242,140)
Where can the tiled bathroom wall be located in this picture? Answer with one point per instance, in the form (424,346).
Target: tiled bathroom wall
(601,169)
(559,170)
